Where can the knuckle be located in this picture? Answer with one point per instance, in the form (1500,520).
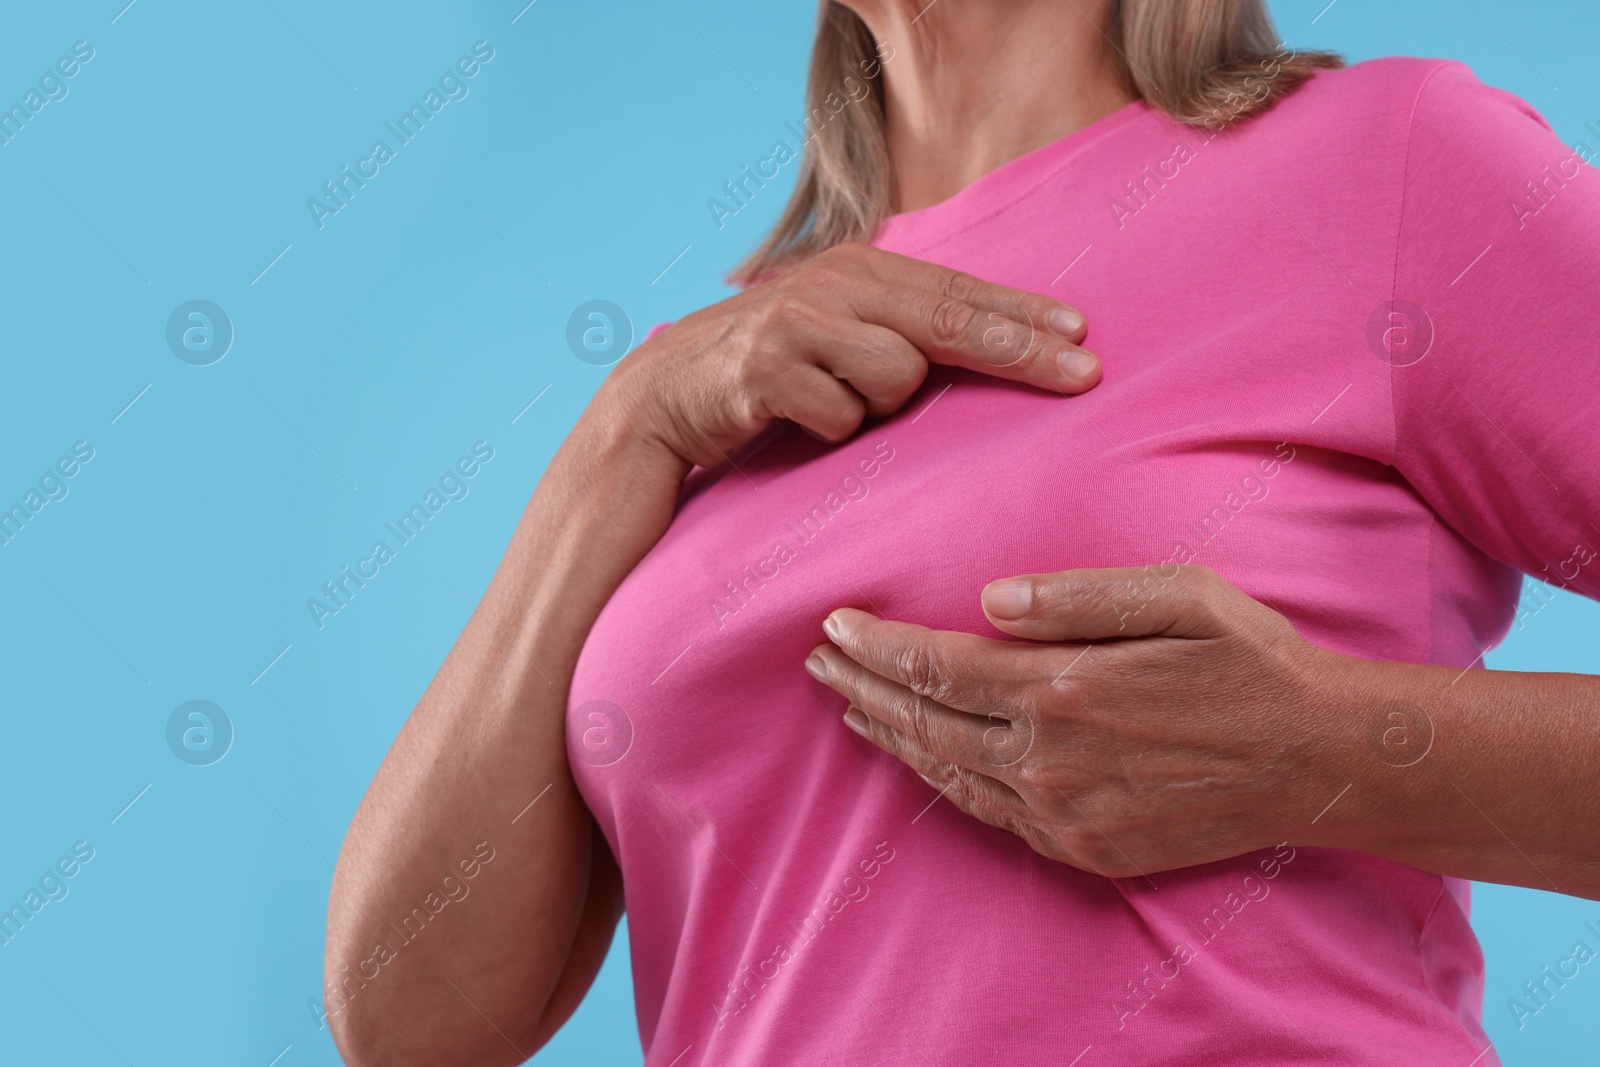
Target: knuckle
(959,286)
(919,670)
(1035,308)
(890,393)
(1208,589)
(763,317)
(975,800)
(841,424)
(950,322)
(1201,578)
(787,312)
(749,371)
(917,712)
(895,367)
(1066,690)
(746,407)
(825,275)
(961,785)
(908,370)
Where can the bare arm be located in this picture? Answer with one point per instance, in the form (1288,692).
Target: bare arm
(846,335)
(472,985)
(1480,774)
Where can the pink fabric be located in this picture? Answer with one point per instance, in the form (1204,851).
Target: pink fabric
(796,896)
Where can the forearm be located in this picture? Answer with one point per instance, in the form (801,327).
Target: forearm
(485,742)
(1487,775)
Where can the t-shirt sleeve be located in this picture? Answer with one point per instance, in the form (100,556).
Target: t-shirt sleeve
(1494,329)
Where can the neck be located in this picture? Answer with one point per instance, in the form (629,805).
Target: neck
(972,86)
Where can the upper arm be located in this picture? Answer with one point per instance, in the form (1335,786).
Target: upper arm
(1499,248)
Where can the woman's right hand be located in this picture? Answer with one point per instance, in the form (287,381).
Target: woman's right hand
(845,335)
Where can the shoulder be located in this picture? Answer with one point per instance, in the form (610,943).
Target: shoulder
(1436,98)
(1392,122)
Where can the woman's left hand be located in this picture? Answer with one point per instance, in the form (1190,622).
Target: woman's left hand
(1171,720)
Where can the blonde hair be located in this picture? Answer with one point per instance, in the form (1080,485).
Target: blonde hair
(1206,63)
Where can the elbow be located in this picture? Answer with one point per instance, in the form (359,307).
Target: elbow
(397,1024)
(367,1037)
(368,1034)
(358,1031)
(368,1031)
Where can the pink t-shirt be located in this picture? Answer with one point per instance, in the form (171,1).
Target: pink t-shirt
(1350,364)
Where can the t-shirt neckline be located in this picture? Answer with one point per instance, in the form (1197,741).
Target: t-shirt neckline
(1006,183)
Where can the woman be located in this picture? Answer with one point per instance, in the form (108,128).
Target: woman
(1347,321)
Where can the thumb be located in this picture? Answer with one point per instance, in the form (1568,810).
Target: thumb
(1092,604)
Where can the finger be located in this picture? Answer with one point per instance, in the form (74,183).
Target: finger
(961,671)
(877,362)
(944,733)
(989,743)
(1169,600)
(813,398)
(950,323)
(979,795)
(1019,305)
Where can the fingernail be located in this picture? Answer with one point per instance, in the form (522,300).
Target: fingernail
(830,626)
(1063,321)
(1076,364)
(817,667)
(856,719)
(1011,598)
(931,782)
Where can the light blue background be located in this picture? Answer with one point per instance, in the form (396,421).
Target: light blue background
(425,316)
